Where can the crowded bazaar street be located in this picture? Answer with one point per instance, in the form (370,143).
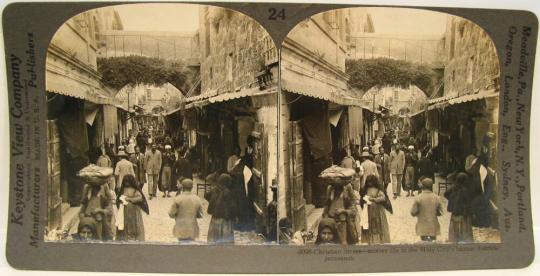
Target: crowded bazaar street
(402,224)
(210,123)
(158,225)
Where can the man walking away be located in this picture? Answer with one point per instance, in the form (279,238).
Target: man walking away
(427,207)
(185,210)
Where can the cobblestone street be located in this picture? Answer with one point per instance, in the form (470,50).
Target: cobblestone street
(403,226)
(158,225)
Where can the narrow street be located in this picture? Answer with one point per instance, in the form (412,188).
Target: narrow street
(403,226)
(158,225)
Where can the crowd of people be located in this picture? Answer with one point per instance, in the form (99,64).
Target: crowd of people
(357,212)
(113,211)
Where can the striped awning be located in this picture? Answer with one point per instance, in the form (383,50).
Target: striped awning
(452,100)
(199,101)
(311,87)
(68,76)
(67,86)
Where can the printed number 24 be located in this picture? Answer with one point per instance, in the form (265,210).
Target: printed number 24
(276,14)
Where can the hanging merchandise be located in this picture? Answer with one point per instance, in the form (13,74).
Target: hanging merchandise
(110,118)
(334,116)
(355,124)
(318,134)
(90,112)
(72,127)
(435,138)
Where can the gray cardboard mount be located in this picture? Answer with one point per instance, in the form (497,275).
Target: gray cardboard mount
(28,29)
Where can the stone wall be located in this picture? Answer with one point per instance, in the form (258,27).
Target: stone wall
(471,59)
(232,48)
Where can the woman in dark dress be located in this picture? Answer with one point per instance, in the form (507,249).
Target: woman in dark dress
(221,206)
(409,180)
(459,203)
(375,199)
(340,207)
(130,202)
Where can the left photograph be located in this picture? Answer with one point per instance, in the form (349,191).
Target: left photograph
(162,129)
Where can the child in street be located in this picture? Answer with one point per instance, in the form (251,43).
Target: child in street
(427,207)
(327,233)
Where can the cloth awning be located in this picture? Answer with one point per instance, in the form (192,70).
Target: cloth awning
(204,99)
(334,116)
(205,95)
(72,88)
(110,119)
(451,100)
(308,86)
(356,124)
(417,113)
(68,76)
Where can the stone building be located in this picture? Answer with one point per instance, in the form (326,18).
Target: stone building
(82,113)
(320,115)
(471,62)
(234,49)
(463,116)
(147,97)
(236,106)
(396,98)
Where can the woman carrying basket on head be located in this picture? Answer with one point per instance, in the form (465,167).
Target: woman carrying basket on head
(340,204)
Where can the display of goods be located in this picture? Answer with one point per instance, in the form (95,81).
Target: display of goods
(94,174)
(337,175)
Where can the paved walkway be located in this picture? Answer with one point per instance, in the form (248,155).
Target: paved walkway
(158,226)
(402,224)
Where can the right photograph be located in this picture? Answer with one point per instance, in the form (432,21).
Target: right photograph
(388,130)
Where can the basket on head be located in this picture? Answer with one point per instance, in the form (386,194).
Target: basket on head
(338,176)
(95,175)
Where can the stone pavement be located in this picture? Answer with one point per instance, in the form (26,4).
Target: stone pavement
(158,225)
(402,224)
